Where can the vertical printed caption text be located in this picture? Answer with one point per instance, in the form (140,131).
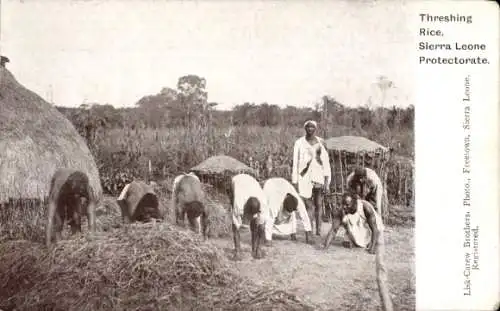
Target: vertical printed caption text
(435,49)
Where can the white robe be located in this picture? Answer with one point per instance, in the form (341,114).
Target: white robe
(244,187)
(303,152)
(358,229)
(276,190)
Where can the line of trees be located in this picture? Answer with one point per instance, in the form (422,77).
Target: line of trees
(188,104)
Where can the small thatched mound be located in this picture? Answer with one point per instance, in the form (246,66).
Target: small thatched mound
(221,165)
(139,267)
(218,171)
(36,140)
(353,144)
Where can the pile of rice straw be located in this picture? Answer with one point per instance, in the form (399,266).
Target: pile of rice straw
(217,205)
(108,214)
(150,266)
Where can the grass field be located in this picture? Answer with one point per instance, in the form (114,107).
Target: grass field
(123,154)
(337,279)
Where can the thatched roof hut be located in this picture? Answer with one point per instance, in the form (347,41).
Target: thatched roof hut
(218,171)
(222,165)
(354,144)
(346,152)
(36,140)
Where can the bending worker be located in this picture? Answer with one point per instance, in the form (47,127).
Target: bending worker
(366,183)
(248,206)
(362,223)
(284,205)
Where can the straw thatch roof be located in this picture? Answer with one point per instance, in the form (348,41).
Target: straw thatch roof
(353,144)
(36,140)
(222,165)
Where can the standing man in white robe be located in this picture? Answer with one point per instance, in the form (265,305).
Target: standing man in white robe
(311,173)
(284,205)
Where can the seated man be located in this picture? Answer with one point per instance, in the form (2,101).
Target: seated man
(284,203)
(360,221)
(366,183)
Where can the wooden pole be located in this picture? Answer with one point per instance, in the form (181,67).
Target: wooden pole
(381,272)
(406,192)
(341,171)
(346,168)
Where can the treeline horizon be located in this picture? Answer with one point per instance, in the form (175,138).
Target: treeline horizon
(262,114)
(187,106)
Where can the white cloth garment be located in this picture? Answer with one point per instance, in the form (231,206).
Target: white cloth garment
(123,194)
(303,153)
(276,189)
(374,185)
(358,229)
(314,123)
(245,186)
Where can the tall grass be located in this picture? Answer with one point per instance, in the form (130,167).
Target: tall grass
(124,154)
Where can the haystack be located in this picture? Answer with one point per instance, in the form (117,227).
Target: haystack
(218,171)
(142,267)
(36,139)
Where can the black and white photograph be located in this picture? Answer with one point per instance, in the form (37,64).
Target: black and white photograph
(208,155)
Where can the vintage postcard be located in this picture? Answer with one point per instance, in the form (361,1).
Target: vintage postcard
(249,155)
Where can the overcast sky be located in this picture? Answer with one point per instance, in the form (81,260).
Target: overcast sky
(284,53)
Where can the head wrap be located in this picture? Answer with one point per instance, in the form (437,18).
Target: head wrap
(360,171)
(311,122)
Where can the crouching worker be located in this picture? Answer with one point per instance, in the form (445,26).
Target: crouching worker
(139,202)
(284,205)
(360,220)
(70,197)
(365,182)
(188,200)
(248,206)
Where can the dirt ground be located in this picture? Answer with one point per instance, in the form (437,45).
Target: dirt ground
(337,279)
